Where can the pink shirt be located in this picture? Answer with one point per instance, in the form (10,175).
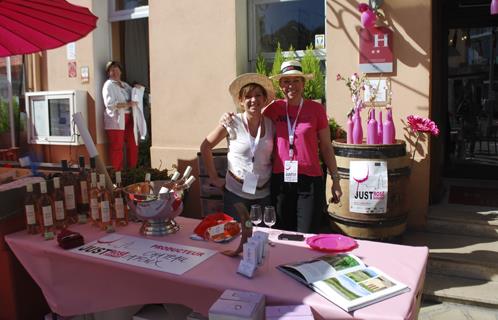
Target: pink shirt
(311,120)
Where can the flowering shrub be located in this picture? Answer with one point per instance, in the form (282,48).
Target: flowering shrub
(356,85)
(420,125)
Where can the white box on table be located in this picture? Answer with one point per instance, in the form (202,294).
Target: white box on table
(297,312)
(238,305)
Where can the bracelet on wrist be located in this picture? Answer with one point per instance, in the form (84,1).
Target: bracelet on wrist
(335,175)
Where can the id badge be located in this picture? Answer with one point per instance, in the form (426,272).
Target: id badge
(250,182)
(290,171)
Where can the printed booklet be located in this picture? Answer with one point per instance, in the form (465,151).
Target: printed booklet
(345,280)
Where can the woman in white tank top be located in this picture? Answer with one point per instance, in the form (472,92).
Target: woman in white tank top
(250,146)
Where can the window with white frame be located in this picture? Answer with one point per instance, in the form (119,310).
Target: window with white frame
(296,23)
(120,10)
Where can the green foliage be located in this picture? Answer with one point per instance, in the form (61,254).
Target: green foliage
(277,62)
(291,55)
(261,65)
(314,88)
(4,115)
(336,131)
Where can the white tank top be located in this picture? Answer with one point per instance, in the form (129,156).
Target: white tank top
(240,159)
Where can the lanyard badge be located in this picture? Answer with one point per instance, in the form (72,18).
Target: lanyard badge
(290,166)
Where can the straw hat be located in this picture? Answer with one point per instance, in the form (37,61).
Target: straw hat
(248,78)
(292,68)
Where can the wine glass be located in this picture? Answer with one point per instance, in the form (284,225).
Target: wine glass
(255,214)
(269,217)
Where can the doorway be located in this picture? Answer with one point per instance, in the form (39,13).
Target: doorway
(466,88)
(131,47)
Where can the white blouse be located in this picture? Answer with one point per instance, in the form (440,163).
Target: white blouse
(240,158)
(113,93)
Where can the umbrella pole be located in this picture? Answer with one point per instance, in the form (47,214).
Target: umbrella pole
(11,106)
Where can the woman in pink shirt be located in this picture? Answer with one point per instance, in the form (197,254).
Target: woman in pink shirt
(301,132)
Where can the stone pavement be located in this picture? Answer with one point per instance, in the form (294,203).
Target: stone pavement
(452,311)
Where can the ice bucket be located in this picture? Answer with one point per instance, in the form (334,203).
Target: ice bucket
(157,211)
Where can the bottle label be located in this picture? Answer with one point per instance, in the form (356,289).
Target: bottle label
(59,210)
(84,192)
(69,197)
(119,206)
(47,216)
(30,214)
(94,208)
(105,210)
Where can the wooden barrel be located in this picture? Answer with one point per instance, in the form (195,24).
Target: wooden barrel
(386,225)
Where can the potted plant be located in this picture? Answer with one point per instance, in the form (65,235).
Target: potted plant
(314,89)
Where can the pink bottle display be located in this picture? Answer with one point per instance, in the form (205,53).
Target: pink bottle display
(389,134)
(358,129)
(372,128)
(349,136)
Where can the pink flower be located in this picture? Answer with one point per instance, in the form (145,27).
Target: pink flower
(363,7)
(338,77)
(422,125)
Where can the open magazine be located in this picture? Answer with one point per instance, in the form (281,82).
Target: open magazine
(345,280)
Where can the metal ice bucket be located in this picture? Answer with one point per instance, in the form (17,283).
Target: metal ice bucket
(157,211)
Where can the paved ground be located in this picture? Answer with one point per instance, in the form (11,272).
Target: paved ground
(451,311)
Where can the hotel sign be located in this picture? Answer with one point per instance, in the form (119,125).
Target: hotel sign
(376,50)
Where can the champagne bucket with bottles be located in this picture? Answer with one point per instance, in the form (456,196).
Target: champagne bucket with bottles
(157,210)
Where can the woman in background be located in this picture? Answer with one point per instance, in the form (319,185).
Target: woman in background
(118,118)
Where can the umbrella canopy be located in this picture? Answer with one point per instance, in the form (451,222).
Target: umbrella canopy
(28,26)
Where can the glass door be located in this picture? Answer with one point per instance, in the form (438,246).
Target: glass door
(472,108)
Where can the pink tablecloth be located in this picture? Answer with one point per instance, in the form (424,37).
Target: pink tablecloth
(76,284)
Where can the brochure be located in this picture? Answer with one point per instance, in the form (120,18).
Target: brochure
(345,280)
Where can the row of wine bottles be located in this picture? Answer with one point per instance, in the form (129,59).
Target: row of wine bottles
(378,131)
(77,198)
(73,198)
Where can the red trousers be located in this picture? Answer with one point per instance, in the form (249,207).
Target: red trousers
(116,140)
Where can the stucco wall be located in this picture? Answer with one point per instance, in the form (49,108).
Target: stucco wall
(193,59)
(92,51)
(411,23)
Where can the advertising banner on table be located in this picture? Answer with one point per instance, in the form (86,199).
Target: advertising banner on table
(161,256)
(368,186)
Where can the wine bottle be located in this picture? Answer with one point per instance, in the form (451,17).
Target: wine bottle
(358,129)
(59,207)
(120,207)
(388,134)
(372,128)
(105,206)
(94,195)
(349,133)
(148,186)
(82,198)
(32,225)
(379,128)
(174,182)
(69,186)
(45,213)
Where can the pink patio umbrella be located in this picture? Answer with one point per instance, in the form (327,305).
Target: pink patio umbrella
(28,26)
